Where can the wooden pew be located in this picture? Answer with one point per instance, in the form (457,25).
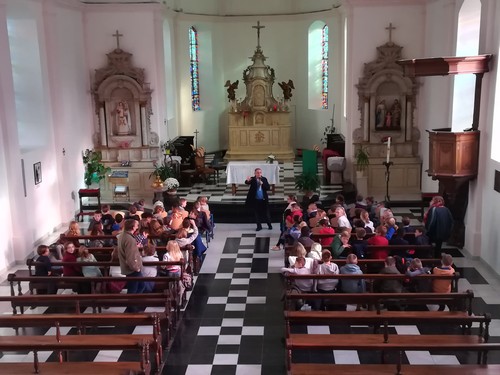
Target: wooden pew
(458,302)
(168,285)
(372,277)
(328,369)
(421,251)
(390,343)
(82,321)
(75,343)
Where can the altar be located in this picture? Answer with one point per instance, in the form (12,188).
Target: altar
(259,125)
(238,171)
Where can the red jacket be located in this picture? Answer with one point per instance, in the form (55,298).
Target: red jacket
(379,241)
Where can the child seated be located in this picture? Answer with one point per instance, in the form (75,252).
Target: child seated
(86,256)
(299,268)
(204,206)
(44,269)
(359,244)
(149,271)
(173,254)
(420,237)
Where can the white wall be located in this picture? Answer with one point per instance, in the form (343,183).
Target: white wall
(482,235)
(61,101)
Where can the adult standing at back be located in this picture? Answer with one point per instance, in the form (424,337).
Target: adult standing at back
(130,258)
(258,199)
(438,223)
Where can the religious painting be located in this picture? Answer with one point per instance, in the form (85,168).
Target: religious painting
(37,171)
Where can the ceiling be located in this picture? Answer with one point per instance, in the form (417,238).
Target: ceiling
(234,7)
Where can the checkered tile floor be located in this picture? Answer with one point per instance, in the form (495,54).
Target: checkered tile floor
(220,192)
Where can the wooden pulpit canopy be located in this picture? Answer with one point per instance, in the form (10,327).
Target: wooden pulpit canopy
(442,66)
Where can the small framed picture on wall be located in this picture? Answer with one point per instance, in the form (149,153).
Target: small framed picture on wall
(37,170)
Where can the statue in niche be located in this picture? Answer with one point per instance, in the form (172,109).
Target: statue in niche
(231,87)
(380,114)
(396,114)
(287,89)
(122,118)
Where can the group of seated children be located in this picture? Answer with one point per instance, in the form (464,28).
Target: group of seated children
(303,263)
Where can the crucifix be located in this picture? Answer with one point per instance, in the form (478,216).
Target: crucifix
(196,132)
(390,28)
(117,35)
(258,27)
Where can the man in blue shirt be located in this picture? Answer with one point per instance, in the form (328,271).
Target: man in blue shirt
(258,199)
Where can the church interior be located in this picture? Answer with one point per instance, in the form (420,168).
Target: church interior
(394,99)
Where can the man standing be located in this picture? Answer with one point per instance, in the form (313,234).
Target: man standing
(130,258)
(257,197)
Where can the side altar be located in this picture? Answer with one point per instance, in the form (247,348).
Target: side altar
(122,102)
(259,125)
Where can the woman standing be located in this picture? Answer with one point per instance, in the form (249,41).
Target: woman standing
(438,223)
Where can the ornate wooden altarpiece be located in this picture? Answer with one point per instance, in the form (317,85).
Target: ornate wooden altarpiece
(259,125)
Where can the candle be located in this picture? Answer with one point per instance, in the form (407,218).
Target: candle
(388,149)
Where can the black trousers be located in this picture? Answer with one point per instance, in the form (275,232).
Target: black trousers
(261,210)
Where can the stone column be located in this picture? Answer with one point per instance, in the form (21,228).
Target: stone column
(144,126)
(366,119)
(408,119)
(102,125)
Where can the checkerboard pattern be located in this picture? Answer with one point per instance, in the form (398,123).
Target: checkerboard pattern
(220,192)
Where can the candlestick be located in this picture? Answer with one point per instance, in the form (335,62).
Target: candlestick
(388,150)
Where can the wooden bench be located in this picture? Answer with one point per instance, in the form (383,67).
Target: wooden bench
(373,277)
(456,301)
(171,297)
(390,343)
(328,369)
(75,343)
(420,251)
(82,321)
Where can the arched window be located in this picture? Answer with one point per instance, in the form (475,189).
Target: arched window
(317,53)
(193,67)
(324,67)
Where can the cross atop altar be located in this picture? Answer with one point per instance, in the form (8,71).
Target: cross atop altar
(259,125)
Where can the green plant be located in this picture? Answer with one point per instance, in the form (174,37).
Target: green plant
(167,147)
(307,182)
(163,171)
(95,170)
(362,159)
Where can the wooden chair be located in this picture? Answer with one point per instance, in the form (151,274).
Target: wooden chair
(202,170)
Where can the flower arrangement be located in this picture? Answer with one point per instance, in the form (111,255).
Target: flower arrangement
(167,147)
(270,159)
(171,183)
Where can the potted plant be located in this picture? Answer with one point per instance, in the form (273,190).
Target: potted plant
(162,171)
(362,159)
(95,170)
(307,182)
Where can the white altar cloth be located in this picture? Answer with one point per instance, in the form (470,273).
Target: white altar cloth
(238,171)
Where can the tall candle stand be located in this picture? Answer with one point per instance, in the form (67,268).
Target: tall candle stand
(387,178)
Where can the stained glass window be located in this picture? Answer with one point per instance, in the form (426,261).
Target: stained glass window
(193,67)
(324,67)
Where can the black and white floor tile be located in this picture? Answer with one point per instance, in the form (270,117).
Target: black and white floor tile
(219,191)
